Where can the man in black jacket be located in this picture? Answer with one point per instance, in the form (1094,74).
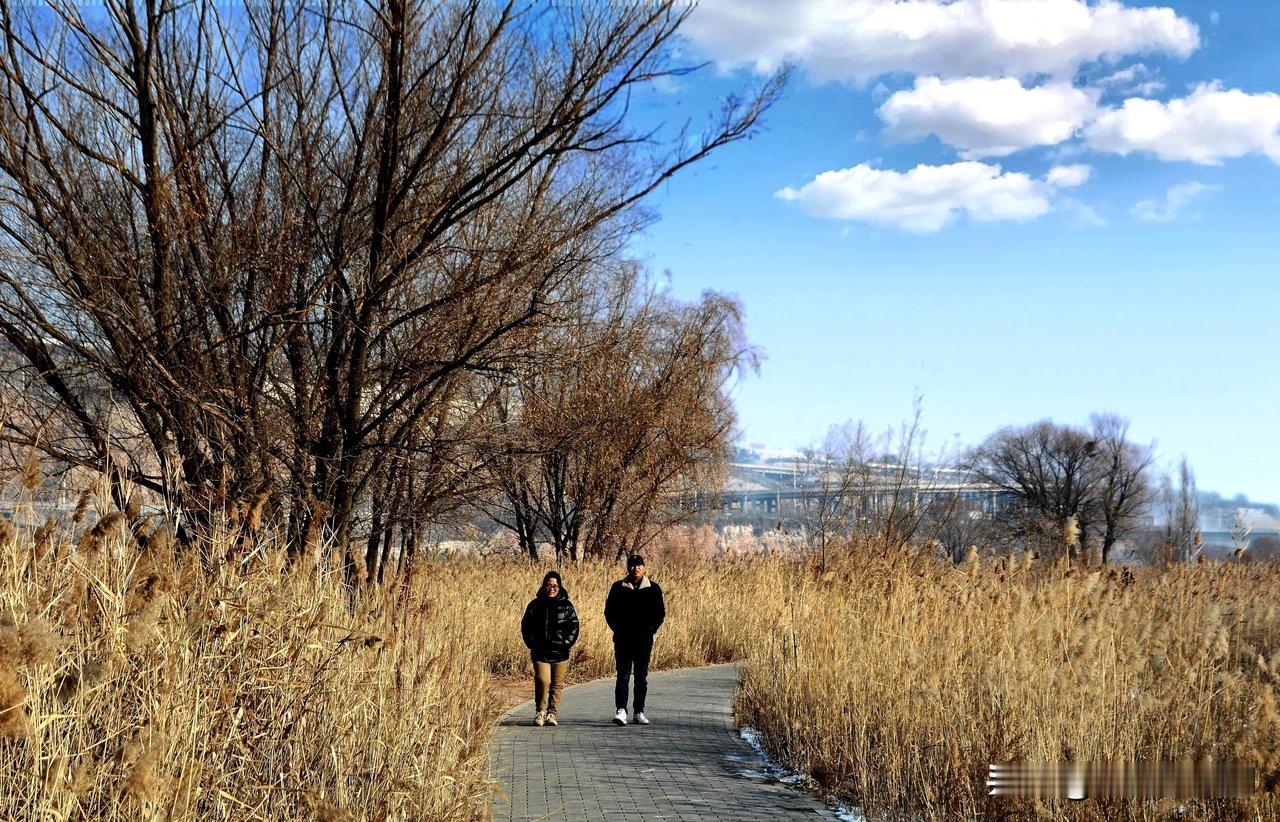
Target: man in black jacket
(634,611)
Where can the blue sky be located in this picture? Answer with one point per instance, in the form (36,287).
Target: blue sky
(940,253)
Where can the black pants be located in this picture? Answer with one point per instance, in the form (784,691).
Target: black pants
(632,655)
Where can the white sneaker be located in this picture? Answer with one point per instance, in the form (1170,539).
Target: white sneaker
(640,718)
(539,719)
(620,718)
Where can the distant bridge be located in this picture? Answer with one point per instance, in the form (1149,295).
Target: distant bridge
(816,470)
(773,488)
(986,498)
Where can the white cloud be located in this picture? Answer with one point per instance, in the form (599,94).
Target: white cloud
(1206,127)
(1132,81)
(986,117)
(1080,215)
(983,117)
(1174,204)
(926,198)
(860,39)
(1068,176)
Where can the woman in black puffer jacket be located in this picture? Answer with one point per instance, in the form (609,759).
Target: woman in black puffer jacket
(549,627)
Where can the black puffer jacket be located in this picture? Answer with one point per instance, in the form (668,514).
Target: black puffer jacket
(550,627)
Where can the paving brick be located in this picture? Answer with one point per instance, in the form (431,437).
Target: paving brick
(685,766)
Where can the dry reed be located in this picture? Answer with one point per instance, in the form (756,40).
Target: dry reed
(895,680)
(135,683)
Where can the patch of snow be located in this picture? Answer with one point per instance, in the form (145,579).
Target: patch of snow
(762,766)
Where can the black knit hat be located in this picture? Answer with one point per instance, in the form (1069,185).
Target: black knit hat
(634,560)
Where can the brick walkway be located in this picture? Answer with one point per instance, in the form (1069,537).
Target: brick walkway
(689,764)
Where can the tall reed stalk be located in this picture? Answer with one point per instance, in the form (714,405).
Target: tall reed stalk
(137,682)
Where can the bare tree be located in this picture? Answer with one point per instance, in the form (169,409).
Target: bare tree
(1182,513)
(882,486)
(840,487)
(1123,487)
(1050,469)
(271,252)
(1069,481)
(626,418)
(957,524)
(917,505)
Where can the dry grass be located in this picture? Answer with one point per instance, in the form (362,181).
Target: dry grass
(895,681)
(135,684)
(706,622)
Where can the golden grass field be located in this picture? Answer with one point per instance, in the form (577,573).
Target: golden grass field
(135,684)
(895,681)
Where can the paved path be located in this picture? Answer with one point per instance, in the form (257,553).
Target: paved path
(689,764)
